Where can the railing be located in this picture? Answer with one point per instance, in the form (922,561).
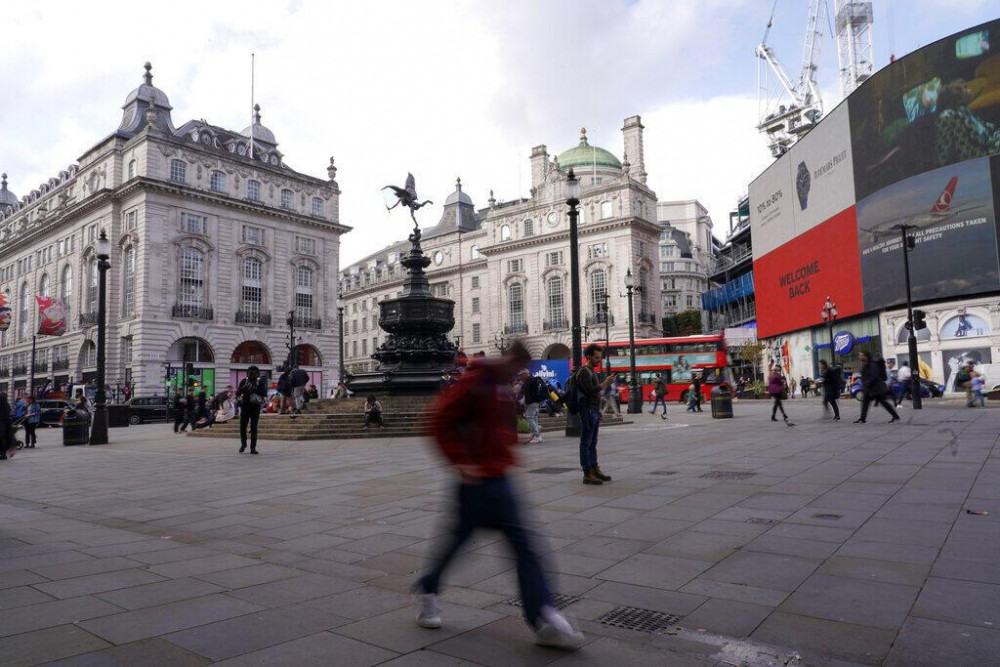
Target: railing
(192,312)
(600,318)
(647,318)
(60,364)
(88,319)
(41,366)
(726,261)
(20,370)
(251,317)
(518,328)
(553,325)
(307,322)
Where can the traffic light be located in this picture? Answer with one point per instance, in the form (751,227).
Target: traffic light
(918,320)
(188,373)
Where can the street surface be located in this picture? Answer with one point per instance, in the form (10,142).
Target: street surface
(738,541)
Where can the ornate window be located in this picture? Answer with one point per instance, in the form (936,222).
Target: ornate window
(304,292)
(43,286)
(644,296)
(194,224)
(529,227)
(557,308)
(92,279)
(305,245)
(131,221)
(128,282)
(217,182)
(606,210)
(515,298)
(192,287)
(598,290)
(505,233)
(252,295)
(286,198)
(253,235)
(66,288)
(178,171)
(23,322)
(317,206)
(253,190)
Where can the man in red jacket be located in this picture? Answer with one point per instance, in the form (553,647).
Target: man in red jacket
(473,425)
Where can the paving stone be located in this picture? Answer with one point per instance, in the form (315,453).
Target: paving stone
(164,592)
(252,632)
(669,602)
(924,642)
(315,649)
(48,644)
(905,531)
(972,603)
(869,603)
(361,603)
(854,643)
(769,543)
(655,571)
(727,617)
(645,528)
(900,553)
(84,568)
(698,546)
(297,589)
(154,621)
(428,658)
(173,555)
(195,566)
(252,575)
(605,547)
(98,583)
(21,596)
(396,630)
(148,653)
(49,614)
(867,569)
(774,571)
(507,641)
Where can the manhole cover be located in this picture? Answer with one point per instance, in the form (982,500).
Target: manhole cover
(727,474)
(828,517)
(760,520)
(641,620)
(559,601)
(663,472)
(551,471)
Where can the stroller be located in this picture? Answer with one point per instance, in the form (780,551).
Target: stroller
(18,443)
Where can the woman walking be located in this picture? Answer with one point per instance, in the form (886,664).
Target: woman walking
(776,387)
(831,388)
(33,416)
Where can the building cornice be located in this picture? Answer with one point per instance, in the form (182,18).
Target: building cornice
(584,230)
(367,290)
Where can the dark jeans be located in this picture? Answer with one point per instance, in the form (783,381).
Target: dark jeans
(881,401)
(250,414)
(778,406)
(659,399)
(374,416)
(30,439)
(832,402)
(590,422)
(490,504)
(180,421)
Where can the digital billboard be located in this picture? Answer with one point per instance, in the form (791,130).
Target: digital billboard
(792,282)
(937,106)
(951,218)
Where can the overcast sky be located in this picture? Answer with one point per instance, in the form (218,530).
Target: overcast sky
(442,89)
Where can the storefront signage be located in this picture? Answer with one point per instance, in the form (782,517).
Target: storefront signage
(843,342)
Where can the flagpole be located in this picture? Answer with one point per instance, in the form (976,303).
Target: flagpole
(252,65)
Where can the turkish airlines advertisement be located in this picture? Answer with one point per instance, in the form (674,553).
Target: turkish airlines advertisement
(949,212)
(794,281)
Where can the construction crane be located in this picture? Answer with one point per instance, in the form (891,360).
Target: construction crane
(788,109)
(854,43)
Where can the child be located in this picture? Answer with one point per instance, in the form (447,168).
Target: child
(977,391)
(692,399)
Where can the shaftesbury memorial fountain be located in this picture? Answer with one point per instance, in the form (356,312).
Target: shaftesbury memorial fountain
(417,352)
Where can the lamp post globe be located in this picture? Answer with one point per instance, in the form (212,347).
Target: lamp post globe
(99,427)
(829,315)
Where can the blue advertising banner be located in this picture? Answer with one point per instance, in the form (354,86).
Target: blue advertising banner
(550,370)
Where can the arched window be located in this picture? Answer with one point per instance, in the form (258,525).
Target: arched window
(92,285)
(505,233)
(43,285)
(66,288)
(23,323)
(598,292)
(515,297)
(128,282)
(252,295)
(557,301)
(131,169)
(474,252)
(304,293)
(606,210)
(217,182)
(192,288)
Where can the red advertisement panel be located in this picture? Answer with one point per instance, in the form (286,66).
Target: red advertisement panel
(793,281)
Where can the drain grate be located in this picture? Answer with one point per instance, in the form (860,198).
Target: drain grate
(663,472)
(559,601)
(641,620)
(760,520)
(828,517)
(727,474)
(551,471)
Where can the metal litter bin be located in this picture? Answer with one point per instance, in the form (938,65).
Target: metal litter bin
(75,429)
(722,402)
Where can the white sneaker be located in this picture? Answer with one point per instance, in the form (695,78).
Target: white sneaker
(557,632)
(535,440)
(428,616)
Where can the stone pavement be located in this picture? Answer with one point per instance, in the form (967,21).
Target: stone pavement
(738,541)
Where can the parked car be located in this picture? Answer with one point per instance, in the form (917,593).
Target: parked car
(928,389)
(143,409)
(53,409)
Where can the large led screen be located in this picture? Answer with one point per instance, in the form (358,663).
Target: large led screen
(935,107)
(793,282)
(952,217)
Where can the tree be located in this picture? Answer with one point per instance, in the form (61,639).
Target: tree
(687,323)
(750,354)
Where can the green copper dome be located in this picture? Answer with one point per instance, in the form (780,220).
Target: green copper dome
(585,155)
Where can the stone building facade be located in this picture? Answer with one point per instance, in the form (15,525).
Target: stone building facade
(215,242)
(686,250)
(506,265)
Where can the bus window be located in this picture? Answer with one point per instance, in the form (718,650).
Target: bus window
(711,376)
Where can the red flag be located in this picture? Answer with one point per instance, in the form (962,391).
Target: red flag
(51,316)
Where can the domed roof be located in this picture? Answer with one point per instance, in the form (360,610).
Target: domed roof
(260,133)
(7,198)
(458,196)
(148,93)
(585,155)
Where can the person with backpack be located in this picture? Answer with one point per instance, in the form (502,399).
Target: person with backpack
(832,386)
(284,388)
(777,387)
(534,392)
(873,384)
(299,379)
(659,396)
(250,394)
(472,423)
(963,381)
(585,399)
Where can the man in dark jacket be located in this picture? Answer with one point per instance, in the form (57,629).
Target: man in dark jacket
(251,395)
(299,379)
(589,386)
(285,389)
(180,412)
(831,387)
(190,409)
(696,381)
(873,378)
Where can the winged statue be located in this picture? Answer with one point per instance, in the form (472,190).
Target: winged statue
(407,196)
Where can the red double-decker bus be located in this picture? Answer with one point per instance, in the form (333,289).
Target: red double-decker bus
(675,360)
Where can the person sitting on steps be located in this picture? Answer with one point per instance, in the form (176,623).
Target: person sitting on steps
(373,412)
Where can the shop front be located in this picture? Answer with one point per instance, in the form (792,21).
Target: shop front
(850,338)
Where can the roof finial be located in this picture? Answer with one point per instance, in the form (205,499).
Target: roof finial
(492,200)
(148,76)
(458,183)
(583,135)
(256,114)
(3,182)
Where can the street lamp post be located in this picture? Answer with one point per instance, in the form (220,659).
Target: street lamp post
(291,340)
(829,314)
(634,391)
(99,429)
(572,191)
(911,338)
(501,342)
(605,306)
(340,324)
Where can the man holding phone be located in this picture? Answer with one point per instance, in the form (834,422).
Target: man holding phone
(589,386)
